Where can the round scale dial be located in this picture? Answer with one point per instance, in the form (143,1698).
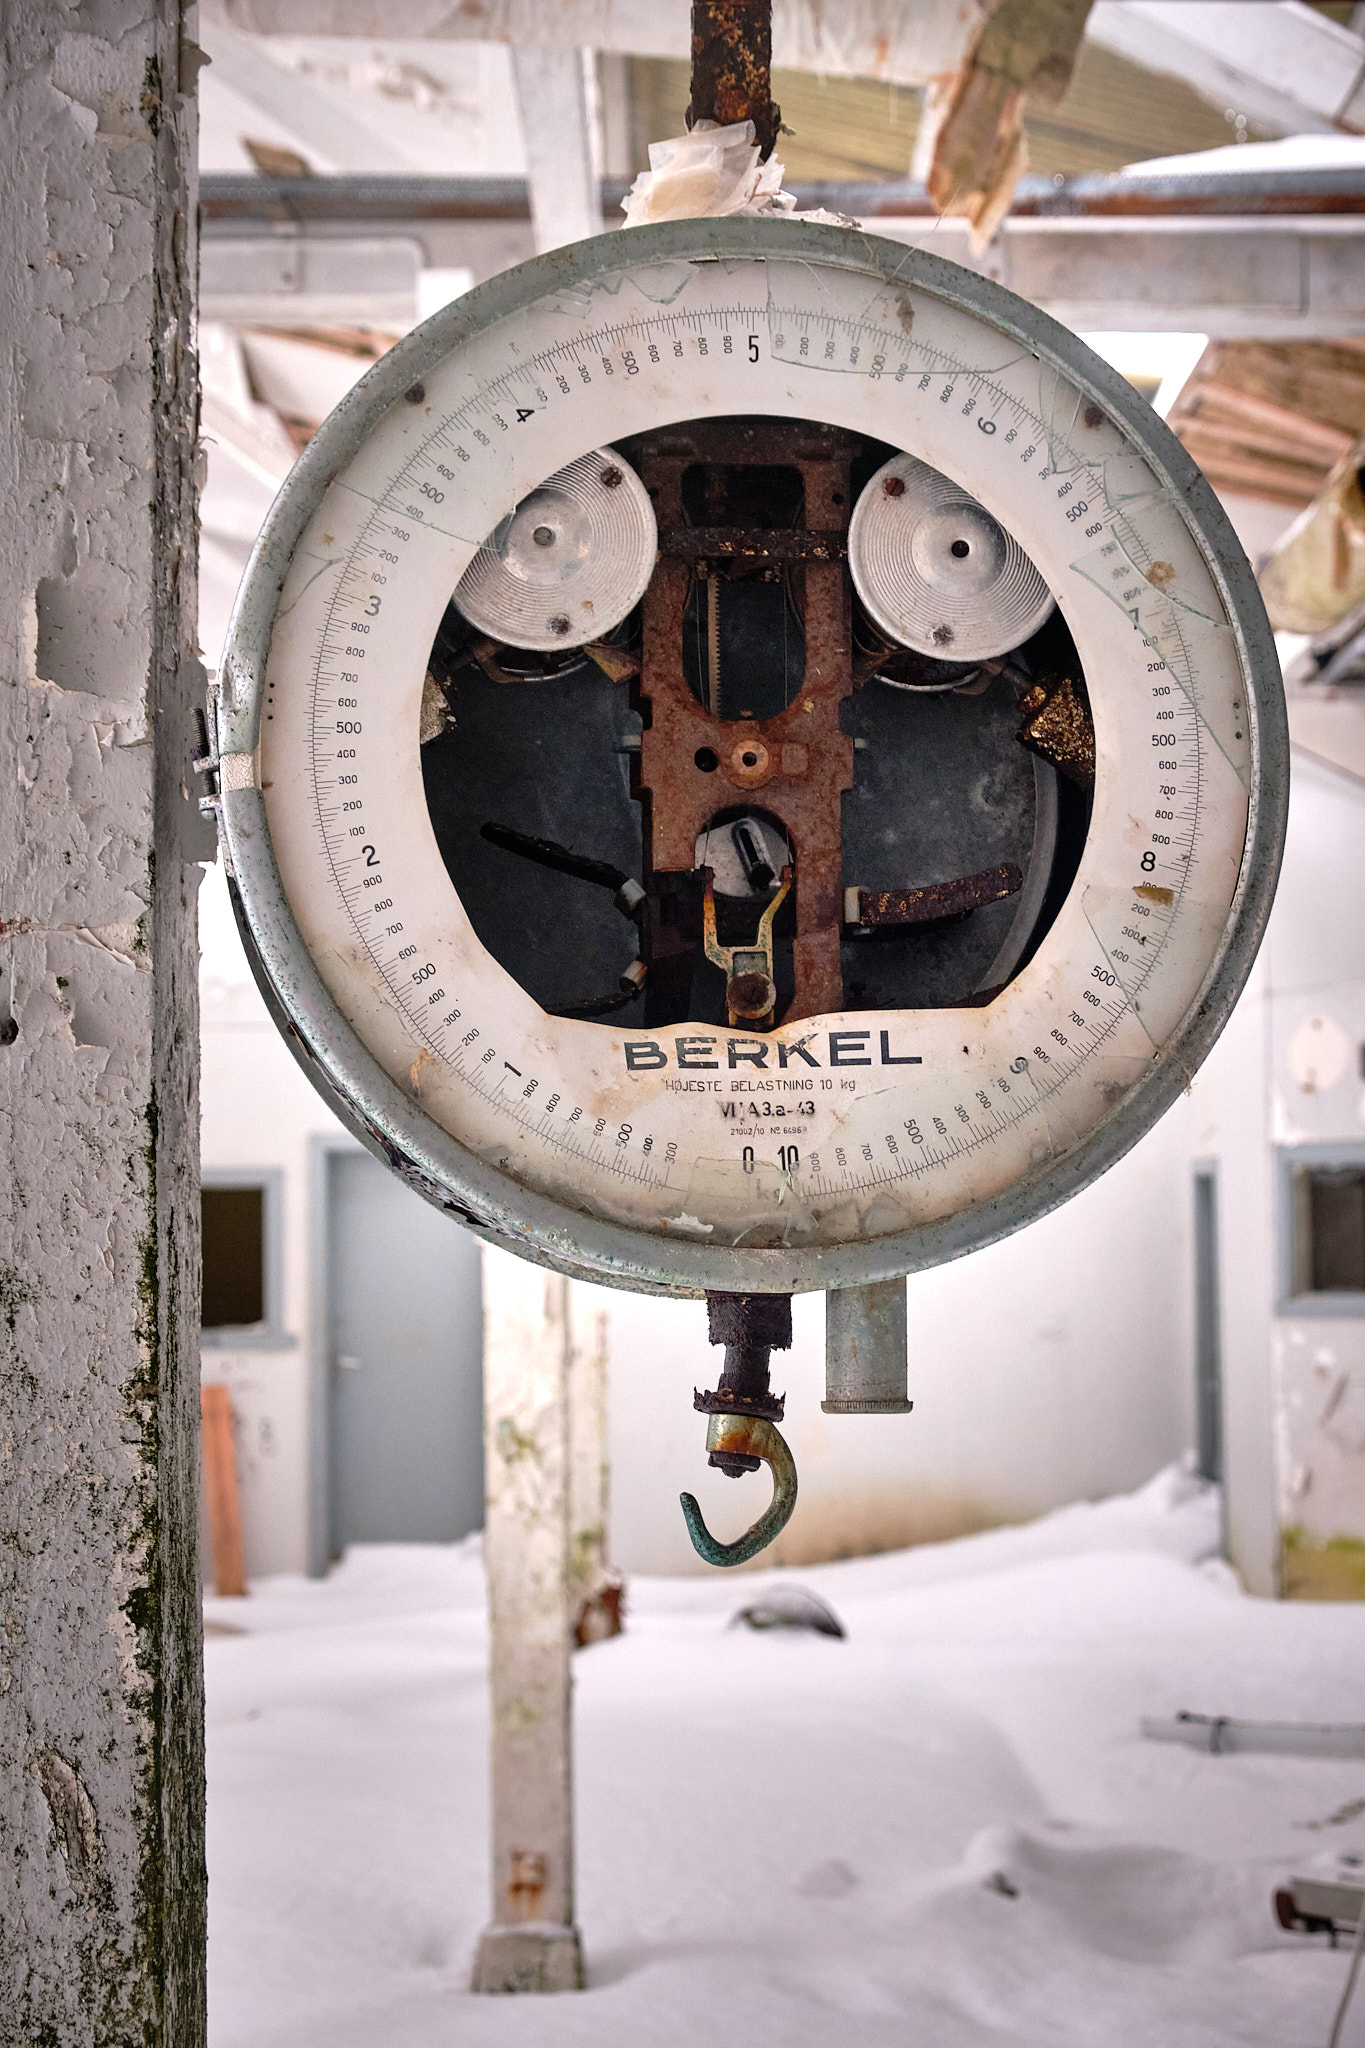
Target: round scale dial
(847,1137)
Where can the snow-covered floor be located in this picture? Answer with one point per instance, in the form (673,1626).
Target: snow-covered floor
(943,1831)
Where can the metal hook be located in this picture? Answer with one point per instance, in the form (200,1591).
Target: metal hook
(745,1436)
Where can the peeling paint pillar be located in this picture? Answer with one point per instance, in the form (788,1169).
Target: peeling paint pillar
(101,1771)
(531,1943)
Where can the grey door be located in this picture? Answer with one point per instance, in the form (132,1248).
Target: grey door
(406,1367)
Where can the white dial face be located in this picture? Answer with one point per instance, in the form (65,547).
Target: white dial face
(839,1127)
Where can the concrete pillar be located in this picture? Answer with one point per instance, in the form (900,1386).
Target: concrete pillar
(101,1766)
(614,114)
(532,1943)
(553,104)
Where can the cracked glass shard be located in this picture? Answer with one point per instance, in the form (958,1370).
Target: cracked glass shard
(327,562)
(659,284)
(1131,983)
(1125,479)
(1171,628)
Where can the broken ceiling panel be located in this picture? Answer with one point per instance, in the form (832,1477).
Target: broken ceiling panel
(1026,49)
(1113,113)
(1272,419)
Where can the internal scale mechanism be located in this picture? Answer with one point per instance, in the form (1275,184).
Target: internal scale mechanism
(749,762)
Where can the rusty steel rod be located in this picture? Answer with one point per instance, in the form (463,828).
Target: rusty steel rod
(732,54)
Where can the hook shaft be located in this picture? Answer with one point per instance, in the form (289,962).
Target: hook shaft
(747,1436)
(750,991)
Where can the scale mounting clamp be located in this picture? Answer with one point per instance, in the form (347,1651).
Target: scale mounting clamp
(1022,892)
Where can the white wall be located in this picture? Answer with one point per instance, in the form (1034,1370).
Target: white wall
(1317,968)
(1228,1129)
(259,1111)
(1051,1367)
(1291,1382)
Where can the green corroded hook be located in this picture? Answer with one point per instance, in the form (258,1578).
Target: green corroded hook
(745,1436)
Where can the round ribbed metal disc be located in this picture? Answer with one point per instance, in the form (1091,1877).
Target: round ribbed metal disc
(936,572)
(569,563)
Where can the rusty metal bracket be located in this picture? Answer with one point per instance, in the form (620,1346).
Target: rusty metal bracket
(1058,727)
(750,990)
(873,910)
(692,761)
(750,544)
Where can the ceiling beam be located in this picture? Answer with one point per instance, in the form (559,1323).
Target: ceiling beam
(1155,255)
(1283,66)
(324,124)
(1286,67)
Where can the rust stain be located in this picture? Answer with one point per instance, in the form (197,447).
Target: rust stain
(1152,892)
(526,1884)
(423,1060)
(600,1617)
(1161,573)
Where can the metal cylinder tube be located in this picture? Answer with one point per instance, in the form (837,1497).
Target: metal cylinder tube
(866,1359)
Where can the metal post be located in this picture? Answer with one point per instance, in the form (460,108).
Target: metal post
(732,54)
(532,1943)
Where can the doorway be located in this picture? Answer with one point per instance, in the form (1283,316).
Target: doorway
(1208,1340)
(404,1363)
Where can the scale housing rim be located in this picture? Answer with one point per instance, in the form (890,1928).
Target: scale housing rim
(423,1154)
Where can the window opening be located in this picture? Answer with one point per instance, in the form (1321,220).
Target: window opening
(1329,1229)
(234,1257)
